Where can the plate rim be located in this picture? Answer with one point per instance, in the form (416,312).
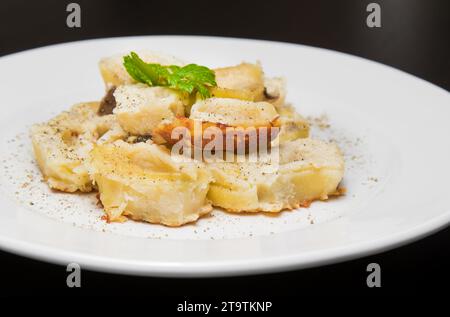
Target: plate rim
(224,269)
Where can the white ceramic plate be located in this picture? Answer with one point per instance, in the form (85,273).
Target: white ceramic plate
(392,127)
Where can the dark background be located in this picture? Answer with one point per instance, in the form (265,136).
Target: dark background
(414,37)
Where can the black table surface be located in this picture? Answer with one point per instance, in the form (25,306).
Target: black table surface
(413,37)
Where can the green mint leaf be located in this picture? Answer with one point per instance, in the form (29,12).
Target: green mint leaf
(150,74)
(192,78)
(135,71)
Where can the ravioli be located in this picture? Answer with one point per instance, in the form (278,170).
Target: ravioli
(125,147)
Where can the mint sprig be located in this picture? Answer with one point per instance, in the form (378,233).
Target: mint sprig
(191,78)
